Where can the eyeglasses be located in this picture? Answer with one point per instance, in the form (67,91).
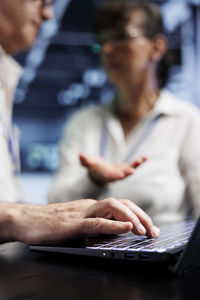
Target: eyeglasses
(47,3)
(43,3)
(116,38)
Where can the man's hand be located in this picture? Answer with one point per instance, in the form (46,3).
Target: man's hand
(55,223)
(119,215)
(102,172)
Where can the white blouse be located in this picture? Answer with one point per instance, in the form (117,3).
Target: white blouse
(166,186)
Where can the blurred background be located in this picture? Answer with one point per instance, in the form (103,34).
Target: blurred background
(62,73)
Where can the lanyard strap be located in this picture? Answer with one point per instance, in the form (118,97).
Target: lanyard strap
(146,133)
(9,137)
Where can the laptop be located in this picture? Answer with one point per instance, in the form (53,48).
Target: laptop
(178,245)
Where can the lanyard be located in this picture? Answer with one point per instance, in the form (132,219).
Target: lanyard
(10,141)
(146,133)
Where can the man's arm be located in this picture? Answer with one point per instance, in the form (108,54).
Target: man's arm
(54,223)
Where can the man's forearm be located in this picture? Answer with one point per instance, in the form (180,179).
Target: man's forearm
(7,221)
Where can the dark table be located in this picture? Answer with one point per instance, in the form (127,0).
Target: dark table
(29,275)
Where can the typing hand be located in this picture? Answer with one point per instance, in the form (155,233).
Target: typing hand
(112,216)
(102,172)
(55,223)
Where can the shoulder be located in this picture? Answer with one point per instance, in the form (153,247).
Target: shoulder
(9,66)
(84,119)
(180,107)
(84,122)
(90,113)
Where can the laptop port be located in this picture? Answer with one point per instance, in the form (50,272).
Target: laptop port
(144,256)
(129,255)
(112,254)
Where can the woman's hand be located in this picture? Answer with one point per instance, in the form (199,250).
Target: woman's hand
(102,172)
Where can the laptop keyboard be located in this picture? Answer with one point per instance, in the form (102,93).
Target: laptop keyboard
(172,236)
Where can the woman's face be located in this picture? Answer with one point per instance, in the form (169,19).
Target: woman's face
(129,58)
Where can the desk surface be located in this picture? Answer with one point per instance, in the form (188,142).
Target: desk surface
(27,275)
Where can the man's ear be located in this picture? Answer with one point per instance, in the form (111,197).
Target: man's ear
(159,48)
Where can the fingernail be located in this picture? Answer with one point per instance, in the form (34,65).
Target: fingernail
(137,164)
(142,229)
(155,231)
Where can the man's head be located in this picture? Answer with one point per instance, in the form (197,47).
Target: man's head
(21,21)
